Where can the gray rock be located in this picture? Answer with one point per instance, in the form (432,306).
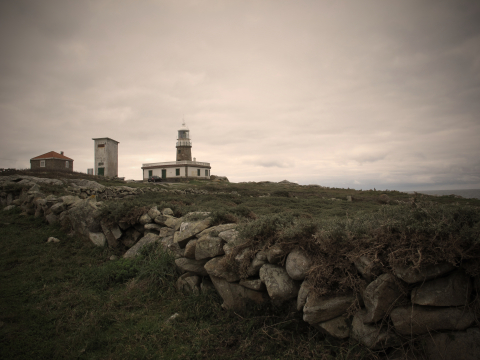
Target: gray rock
(87,184)
(298,263)
(97,238)
(365,267)
(379,298)
(189,230)
(208,247)
(275,254)
(58,208)
(231,237)
(113,257)
(153,212)
(416,320)
(51,219)
(189,283)
(302,295)
(453,290)
(255,284)
(191,265)
(166,231)
(167,211)
(261,255)
(190,249)
(53,239)
(154,227)
(215,230)
(235,296)
(130,237)
(145,219)
(459,345)
(412,275)
(255,266)
(280,286)
(337,327)
(216,267)
(374,337)
(9,207)
(111,239)
(321,309)
(69,200)
(135,249)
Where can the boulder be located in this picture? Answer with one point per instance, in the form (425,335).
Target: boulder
(53,239)
(275,254)
(416,320)
(231,237)
(365,267)
(235,296)
(337,327)
(453,290)
(379,298)
(280,286)
(261,255)
(166,231)
(130,237)
(190,249)
(189,283)
(457,345)
(135,249)
(167,211)
(51,218)
(208,247)
(298,263)
(153,227)
(412,275)
(216,267)
(9,207)
(191,265)
(374,337)
(189,230)
(97,238)
(302,295)
(321,309)
(107,231)
(145,219)
(172,247)
(58,208)
(153,212)
(215,230)
(254,284)
(69,200)
(255,266)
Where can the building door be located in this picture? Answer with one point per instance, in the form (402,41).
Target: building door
(150,173)
(101,171)
(164,173)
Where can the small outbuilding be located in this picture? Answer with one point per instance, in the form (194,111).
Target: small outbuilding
(52,161)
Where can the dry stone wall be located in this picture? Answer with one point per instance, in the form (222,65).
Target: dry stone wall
(430,305)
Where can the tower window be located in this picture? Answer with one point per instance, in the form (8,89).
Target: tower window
(66,164)
(179,151)
(206,172)
(198,172)
(177,172)
(42,163)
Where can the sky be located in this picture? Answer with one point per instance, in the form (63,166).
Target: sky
(361,94)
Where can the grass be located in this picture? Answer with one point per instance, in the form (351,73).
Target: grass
(67,300)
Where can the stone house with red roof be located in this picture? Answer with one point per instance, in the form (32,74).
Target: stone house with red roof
(52,161)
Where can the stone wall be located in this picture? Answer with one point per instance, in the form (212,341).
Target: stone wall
(430,307)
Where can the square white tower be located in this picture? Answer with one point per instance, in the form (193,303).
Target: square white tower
(106,156)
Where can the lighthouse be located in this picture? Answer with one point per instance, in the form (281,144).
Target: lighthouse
(184,145)
(183,168)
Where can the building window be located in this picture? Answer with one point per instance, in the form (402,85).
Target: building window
(179,151)
(198,172)
(67,165)
(150,173)
(101,145)
(177,172)
(206,172)
(42,163)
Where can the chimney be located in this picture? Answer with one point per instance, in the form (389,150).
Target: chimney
(61,152)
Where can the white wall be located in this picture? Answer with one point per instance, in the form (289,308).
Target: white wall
(192,172)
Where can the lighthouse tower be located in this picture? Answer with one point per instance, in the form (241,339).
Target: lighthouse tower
(184,145)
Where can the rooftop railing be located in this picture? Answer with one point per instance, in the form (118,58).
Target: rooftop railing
(183,162)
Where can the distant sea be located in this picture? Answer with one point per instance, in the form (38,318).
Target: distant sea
(467,194)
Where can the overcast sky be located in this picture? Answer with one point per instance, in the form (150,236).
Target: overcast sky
(357,94)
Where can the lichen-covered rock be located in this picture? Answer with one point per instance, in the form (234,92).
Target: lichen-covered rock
(231,237)
(189,283)
(145,219)
(453,290)
(321,309)
(215,230)
(365,267)
(235,296)
(275,254)
(167,211)
(374,337)
(416,320)
(153,212)
(216,267)
(457,345)
(191,265)
(280,286)
(208,247)
(135,249)
(337,327)
(97,238)
(412,275)
(190,249)
(379,297)
(154,227)
(298,263)
(189,230)
(58,208)
(255,266)
(302,295)
(254,284)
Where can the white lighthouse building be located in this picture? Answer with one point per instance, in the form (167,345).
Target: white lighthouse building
(184,167)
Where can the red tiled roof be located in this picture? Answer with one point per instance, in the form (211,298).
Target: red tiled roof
(51,154)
